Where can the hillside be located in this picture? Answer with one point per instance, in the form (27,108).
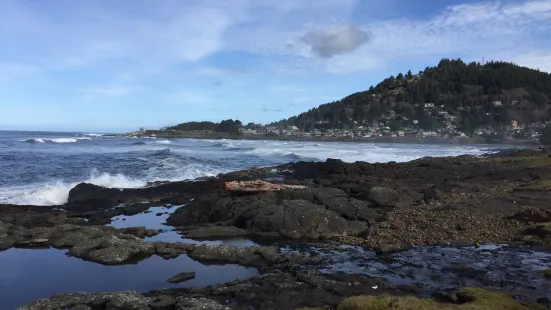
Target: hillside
(453,95)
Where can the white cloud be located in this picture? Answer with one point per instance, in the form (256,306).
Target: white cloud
(287,37)
(84,34)
(10,71)
(110,91)
(330,42)
(537,60)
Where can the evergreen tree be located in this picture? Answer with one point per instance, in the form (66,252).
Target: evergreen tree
(545,137)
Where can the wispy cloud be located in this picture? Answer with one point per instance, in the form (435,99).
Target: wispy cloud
(226,54)
(109,91)
(10,71)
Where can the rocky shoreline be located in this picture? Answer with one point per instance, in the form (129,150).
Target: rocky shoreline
(320,209)
(167,134)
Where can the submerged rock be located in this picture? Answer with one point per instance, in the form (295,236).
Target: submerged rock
(181,277)
(209,232)
(258,256)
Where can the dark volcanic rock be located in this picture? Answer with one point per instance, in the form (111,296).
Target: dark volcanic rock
(297,219)
(288,214)
(181,277)
(122,301)
(382,196)
(532,215)
(88,197)
(86,191)
(208,232)
(258,256)
(113,249)
(433,194)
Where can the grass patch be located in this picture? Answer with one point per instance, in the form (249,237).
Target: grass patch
(538,185)
(477,299)
(528,161)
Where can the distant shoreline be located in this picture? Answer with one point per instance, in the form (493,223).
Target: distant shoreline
(406,139)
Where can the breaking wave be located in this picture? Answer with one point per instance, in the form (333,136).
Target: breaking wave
(57,193)
(56,140)
(163,142)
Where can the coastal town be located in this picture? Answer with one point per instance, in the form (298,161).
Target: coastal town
(394,125)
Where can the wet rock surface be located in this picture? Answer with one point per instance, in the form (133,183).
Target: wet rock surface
(122,300)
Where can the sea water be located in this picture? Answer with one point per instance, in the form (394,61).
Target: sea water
(40,168)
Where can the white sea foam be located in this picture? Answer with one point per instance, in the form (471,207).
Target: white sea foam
(163,142)
(55,140)
(352,152)
(173,169)
(93,134)
(63,140)
(56,193)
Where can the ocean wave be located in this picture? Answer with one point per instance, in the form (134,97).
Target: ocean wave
(63,140)
(162,152)
(240,149)
(163,142)
(175,169)
(57,193)
(139,143)
(55,140)
(93,134)
(35,140)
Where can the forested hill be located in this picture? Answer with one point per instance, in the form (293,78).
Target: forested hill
(472,95)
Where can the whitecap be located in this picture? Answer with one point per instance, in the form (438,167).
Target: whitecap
(63,140)
(57,192)
(93,134)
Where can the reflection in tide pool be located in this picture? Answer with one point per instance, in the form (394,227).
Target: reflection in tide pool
(155,217)
(511,269)
(29,274)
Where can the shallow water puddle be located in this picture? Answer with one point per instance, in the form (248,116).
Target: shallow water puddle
(29,274)
(155,217)
(148,218)
(515,270)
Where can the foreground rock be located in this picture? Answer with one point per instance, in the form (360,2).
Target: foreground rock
(110,246)
(285,291)
(122,300)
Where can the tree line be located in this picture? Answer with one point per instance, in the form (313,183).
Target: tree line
(490,94)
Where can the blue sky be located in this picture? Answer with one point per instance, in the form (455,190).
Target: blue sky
(117,65)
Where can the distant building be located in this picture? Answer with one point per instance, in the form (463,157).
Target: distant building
(429,105)
(497,103)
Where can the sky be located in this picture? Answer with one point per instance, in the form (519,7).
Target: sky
(115,66)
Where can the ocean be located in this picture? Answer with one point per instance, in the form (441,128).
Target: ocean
(39,168)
